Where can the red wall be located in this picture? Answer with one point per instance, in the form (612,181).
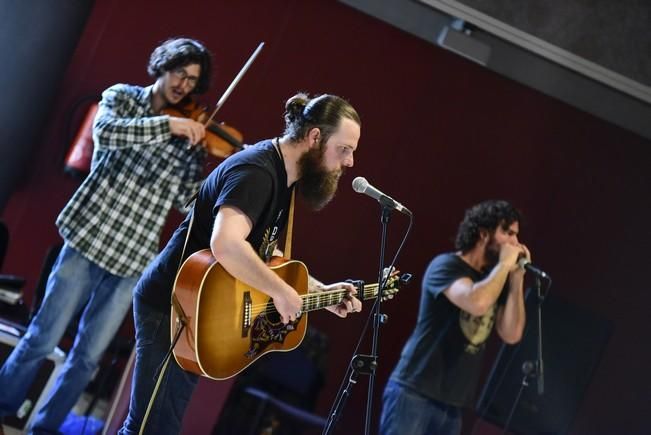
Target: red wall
(439,133)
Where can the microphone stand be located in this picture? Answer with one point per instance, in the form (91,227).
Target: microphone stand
(365,364)
(539,354)
(530,369)
(528,372)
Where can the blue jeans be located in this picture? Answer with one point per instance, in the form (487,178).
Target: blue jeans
(177,385)
(75,283)
(406,412)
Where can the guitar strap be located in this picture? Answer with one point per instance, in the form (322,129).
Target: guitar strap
(287,253)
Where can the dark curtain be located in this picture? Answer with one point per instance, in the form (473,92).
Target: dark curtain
(37,39)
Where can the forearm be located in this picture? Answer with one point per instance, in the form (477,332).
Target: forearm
(241,261)
(120,123)
(484,293)
(511,318)
(116,133)
(314,285)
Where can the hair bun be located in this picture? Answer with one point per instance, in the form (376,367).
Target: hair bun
(295,106)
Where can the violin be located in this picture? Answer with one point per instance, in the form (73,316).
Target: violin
(221,140)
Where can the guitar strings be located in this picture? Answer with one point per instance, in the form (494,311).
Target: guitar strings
(369,291)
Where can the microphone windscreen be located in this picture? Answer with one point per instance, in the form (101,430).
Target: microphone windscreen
(360,184)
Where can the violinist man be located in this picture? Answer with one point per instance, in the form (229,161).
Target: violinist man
(238,214)
(142,167)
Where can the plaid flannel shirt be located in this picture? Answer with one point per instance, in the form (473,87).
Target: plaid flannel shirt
(139,172)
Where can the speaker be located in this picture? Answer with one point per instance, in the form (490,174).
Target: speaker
(573,339)
(462,43)
(10,333)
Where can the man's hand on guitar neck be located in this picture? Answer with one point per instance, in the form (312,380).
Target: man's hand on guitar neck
(350,304)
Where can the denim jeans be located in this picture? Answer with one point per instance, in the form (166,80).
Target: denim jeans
(176,387)
(406,412)
(75,283)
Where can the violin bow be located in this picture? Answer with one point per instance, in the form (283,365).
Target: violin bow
(234,83)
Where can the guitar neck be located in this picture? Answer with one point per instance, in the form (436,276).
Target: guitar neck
(317,301)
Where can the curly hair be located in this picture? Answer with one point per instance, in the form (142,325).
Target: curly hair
(179,52)
(324,112)
(487,215)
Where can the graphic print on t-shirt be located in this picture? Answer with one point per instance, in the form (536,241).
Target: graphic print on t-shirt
(476,329)
(270,240)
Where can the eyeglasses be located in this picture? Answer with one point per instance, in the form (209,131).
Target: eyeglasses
(182,76)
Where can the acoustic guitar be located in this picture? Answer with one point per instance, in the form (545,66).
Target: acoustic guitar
(229,325)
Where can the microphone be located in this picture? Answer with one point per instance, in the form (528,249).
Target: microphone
(526,264)
(361,185)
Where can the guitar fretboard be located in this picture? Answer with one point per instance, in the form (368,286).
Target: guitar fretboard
(316,301)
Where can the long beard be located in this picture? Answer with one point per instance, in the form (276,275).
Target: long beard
(316,185)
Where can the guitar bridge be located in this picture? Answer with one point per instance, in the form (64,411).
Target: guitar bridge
(246,313)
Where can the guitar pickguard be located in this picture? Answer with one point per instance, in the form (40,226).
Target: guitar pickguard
(267,329)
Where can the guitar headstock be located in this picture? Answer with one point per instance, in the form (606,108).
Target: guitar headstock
(394,282)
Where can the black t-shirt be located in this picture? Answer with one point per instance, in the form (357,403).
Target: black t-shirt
(442,358)
(254,181)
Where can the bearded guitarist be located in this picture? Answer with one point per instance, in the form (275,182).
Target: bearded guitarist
(238,214)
